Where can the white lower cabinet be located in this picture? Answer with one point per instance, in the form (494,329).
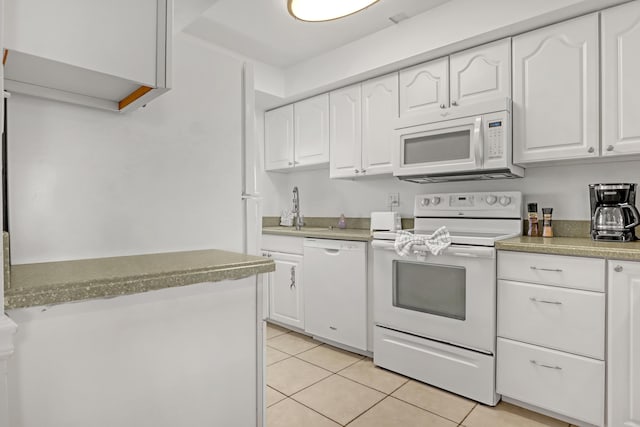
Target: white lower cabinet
(286,298)
(557,381)
(319,287)
(285,285)
(551,334)
(336,291)
(623,345)
(564,319)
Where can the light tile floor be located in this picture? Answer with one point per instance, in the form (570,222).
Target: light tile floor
(311,384)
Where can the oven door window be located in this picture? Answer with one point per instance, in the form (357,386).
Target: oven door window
(436,289)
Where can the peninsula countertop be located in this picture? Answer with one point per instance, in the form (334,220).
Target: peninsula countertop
(577,246)
(66,281)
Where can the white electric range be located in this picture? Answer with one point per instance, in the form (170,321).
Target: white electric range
(435,316)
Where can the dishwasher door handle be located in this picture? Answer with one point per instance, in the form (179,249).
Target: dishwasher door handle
(331,251)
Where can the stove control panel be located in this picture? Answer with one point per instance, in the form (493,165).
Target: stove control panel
(498,204)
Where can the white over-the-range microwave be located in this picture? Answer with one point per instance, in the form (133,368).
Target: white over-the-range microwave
(472,142)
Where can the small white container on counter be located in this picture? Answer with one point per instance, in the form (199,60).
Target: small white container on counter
(385,221)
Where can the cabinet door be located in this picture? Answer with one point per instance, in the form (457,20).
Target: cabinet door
(116,37)
(278,138)
(345,134)
(424,88)
(311,139)
(286,304)
(623,363)
(555,92)
(481,74)
(379,113)
(620,82)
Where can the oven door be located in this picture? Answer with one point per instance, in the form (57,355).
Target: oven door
(443,147)
(450,297)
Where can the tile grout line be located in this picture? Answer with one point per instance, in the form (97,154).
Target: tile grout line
(338,373)
(376,404)
(431,412)
(314,364)
(468,413)
(311,409)
(306,387)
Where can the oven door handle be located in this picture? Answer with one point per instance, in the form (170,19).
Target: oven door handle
(453,250)
(387,245)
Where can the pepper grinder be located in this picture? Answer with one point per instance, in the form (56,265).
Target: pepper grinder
(532,209)
(547,230)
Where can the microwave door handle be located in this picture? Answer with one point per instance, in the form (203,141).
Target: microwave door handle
(478,137)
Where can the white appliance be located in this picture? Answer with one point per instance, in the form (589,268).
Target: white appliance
(435,316)
(335,289)
(386,221)
(457,148)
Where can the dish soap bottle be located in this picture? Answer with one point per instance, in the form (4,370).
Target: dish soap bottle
(342,222)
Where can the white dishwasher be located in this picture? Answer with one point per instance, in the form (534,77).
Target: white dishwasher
(335,277)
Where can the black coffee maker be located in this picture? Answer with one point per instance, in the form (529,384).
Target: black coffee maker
(614,215)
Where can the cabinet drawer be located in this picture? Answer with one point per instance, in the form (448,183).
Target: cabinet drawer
(553,270)
(286,244)
(560,382)
(564,319)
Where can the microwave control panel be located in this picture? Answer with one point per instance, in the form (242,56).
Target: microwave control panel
(495,138)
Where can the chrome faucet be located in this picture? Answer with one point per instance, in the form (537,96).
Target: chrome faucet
(296,208)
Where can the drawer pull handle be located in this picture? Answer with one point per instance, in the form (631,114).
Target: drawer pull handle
(544,301)
(556,270)
(333,328)
(558,368)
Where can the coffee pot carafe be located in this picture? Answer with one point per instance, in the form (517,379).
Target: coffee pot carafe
(613,212)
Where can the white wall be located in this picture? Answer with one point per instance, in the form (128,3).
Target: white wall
(563,188)
(452,26)
(85,183)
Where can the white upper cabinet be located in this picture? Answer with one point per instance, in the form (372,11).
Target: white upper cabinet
(311,138)
(481,74)
(345,134)
(424,88)
(278,138)
(363,118)
(116,37)
(113,55)
(379,113)
(555,92)
(621,80)
(432,91)
(297,135)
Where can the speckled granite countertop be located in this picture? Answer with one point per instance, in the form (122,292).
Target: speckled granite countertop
(578,246)
(321,233)
(66,281)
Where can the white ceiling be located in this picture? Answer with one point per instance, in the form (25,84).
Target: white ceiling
(264,30)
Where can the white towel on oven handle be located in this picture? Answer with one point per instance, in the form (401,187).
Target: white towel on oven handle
(436,243)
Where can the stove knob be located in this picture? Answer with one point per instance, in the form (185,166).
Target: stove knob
(491,200)
(505,200)
(424,202)
(435,200)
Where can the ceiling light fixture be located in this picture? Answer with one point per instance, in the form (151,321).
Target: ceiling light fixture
(325,10)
